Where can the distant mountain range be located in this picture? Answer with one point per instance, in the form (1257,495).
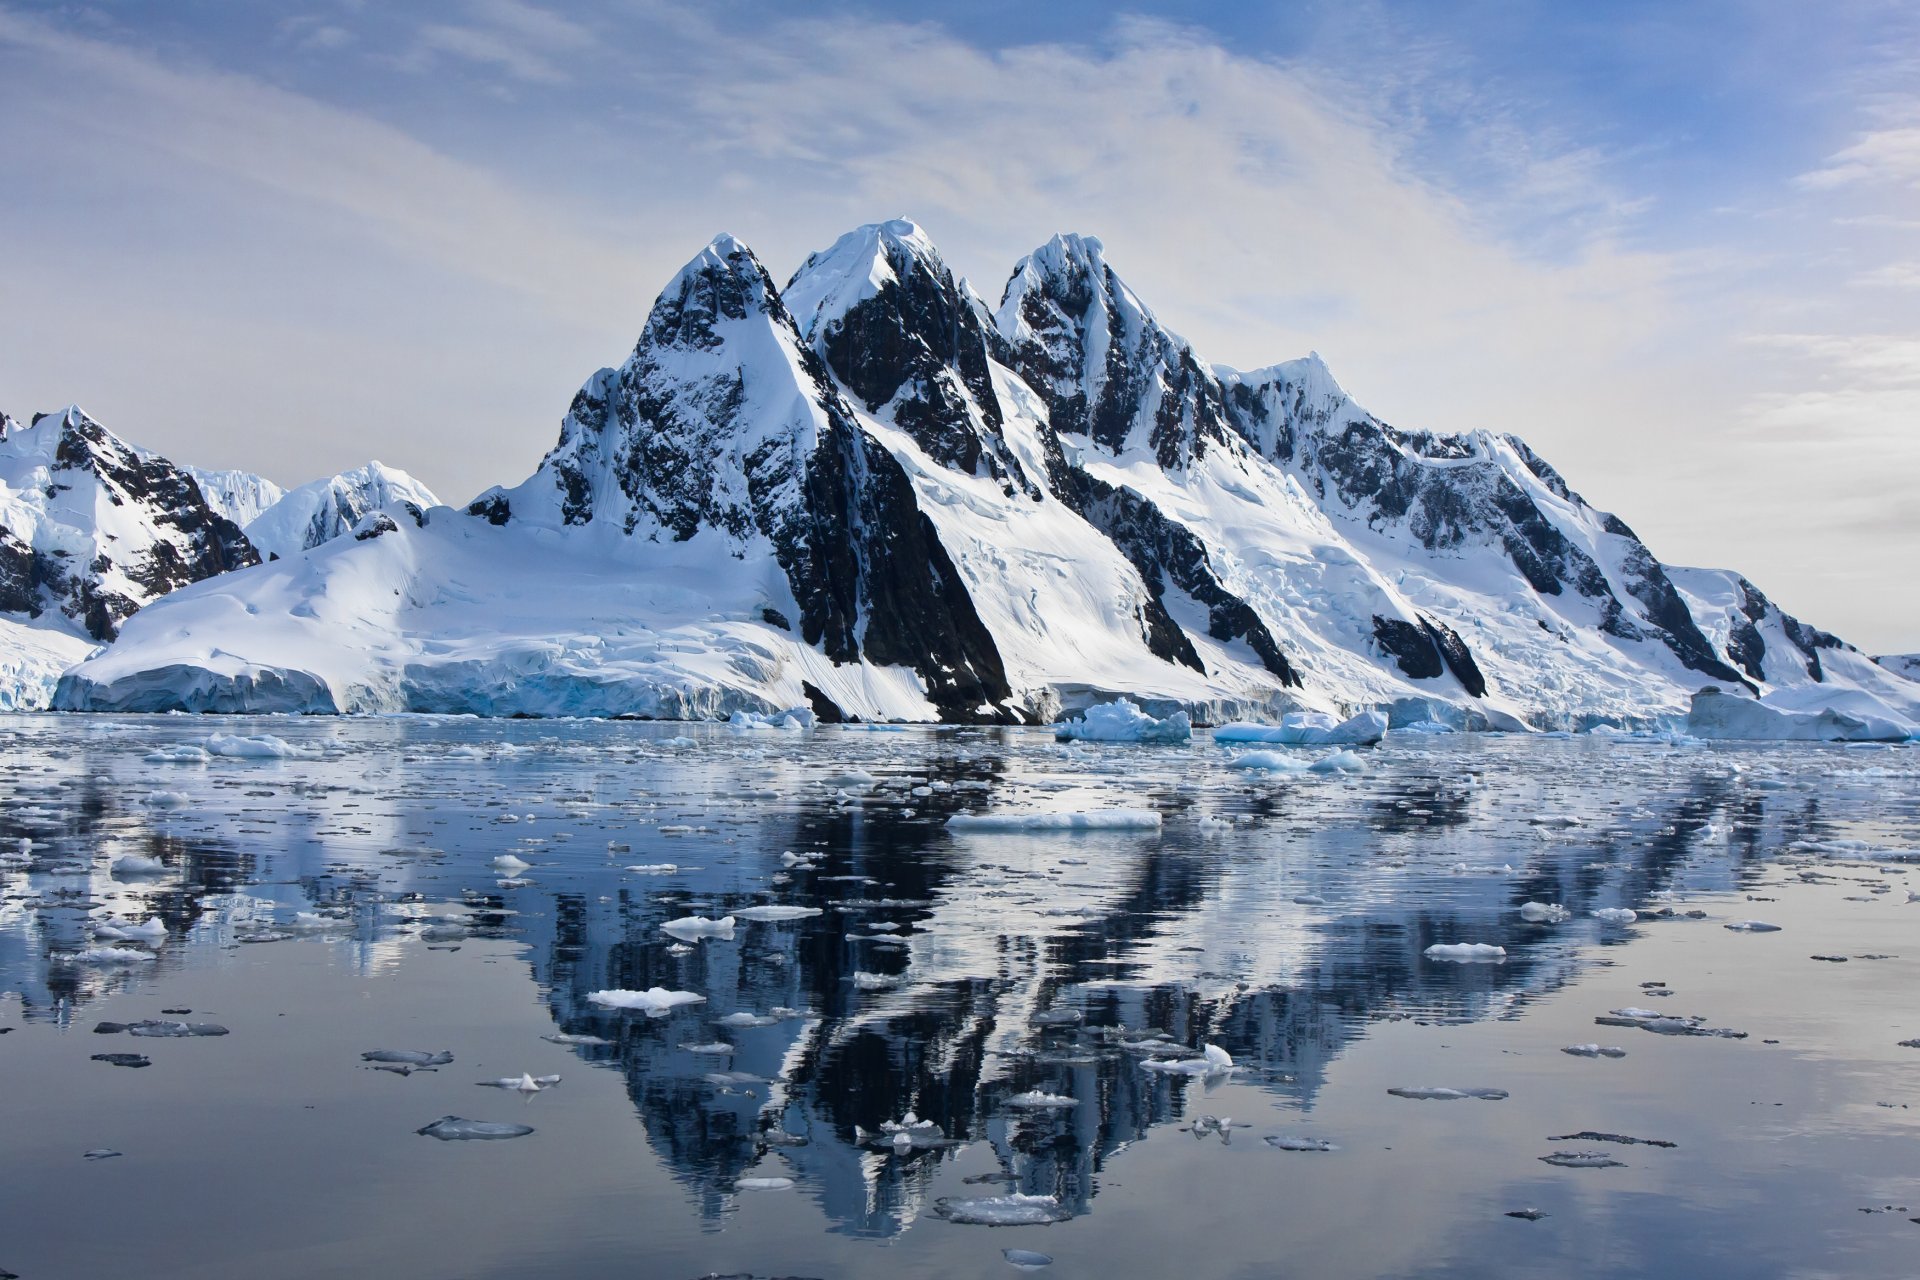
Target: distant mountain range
(875,493)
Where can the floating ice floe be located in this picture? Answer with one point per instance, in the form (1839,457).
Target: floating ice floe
(1544,912)
(1589,1135)
(793,718)
(185,753)
(1026,1259)
(1583,1160)
(152,931)
(1214,1061)
(1616,915)
(654,1001)
(1752,926)
(1466,952)
(1338,762)
(138,864)
(123,1059)
(164,799)
(777,912)
(1015,1210)
(113,955)
(1308,729)
(409,1057)
(864,981)
(507,864)
(762,1184)
(1292,1142)
(1666,1024)
(654,868)
(910,1132)
(1122,721)
(455,1129)
(1097,820)
(262,746)
(523,1083)
(744,1021)
(1432,1093)
(1036,1100)
(566,1038)
(1268,762)
(689,928)
(1595,1051)
(169,1029)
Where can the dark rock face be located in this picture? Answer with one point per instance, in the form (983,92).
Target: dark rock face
(1426,649)
(916,352)
(1105,368)
(193,541)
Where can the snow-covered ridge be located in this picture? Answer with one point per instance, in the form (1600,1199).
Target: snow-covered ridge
(873,494)
(323,510)
(240,496)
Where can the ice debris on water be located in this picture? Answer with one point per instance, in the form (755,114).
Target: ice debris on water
(455,1129)
(654,868)
(1466,952)
(689,928)
(1595,1051)
(654,1001)
(99,1153)
(138,864)
(1268,762)
(1616,915)
(1293,1142)
(523,1083)
(1308,729)
(1014,1210)
(1026,1259)
(762,1184)
(124,1059)
(1434,1093)
(1338,762)
(1037,1100)
(777,912)
(1097,820)
(1590,1135)
(1544,912)
(152,931)
(410,1057)
(1752,926)
(864,981)
(1122,721)
(166,1029)
(114,955)
(1583,1160)
(1666,1024)
(1528,1214)
(508,865)
(1214,1061)
(909,1132)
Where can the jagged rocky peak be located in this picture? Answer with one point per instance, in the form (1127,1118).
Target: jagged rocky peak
(240,496)
(1272,407)
(1105,366)
(907,342)
(707,425)
(96,528)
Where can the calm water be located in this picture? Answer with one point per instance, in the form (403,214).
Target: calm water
(345,899)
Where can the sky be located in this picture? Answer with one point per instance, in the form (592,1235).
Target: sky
(1674,246)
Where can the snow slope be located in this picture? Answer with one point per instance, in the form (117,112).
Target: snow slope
(323,510)
(876,494)
(240,496)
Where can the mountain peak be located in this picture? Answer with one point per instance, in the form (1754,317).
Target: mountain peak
(857,266)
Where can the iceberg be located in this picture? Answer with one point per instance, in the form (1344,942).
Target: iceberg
(1308,729)
(1718,714)
(1122,721)
(654,1001)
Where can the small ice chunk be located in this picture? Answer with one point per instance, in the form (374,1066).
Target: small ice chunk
(1595,1051)
(1434,1093)
(1544,912)
(1466,952)
(138,864)
(123,1059)
(1583,1160)
(1015,1210)
(1338,762)
(688,928)
(864,981)
(1293,1142)
(263,746)
(455,1129)
(114,955)
(1097,820)
(507,864)
(1268,762)
(167,1029)
(654,1001)
(762,1184)
(523,1083)
(1215,1061)
(1026,1259)
(777,912)
(744,1020)
(567,1038)
(1615,915)
(411,1057)
(1752,926)
(654,868)
(1036,1100)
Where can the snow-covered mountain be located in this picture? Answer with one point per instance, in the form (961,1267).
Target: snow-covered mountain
(240,496)
(300,519)
(91,529)
(1906,664)
(875,492)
